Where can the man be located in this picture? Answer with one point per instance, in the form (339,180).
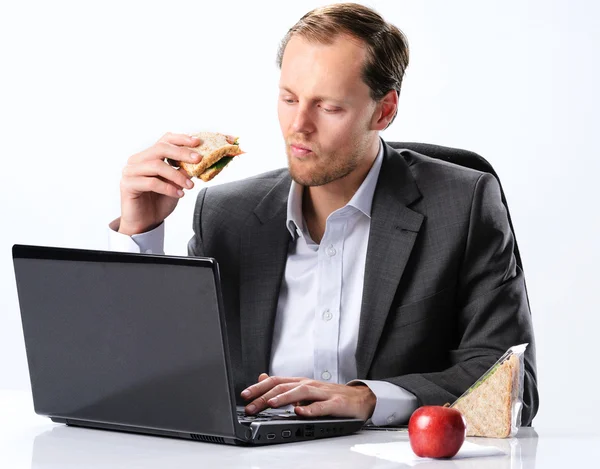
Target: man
(360,281)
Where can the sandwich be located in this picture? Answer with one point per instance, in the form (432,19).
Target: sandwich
(217,151)
(487,406)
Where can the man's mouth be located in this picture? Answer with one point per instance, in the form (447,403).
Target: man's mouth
(300,150)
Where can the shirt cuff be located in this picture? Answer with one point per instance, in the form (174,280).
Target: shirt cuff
(394,404)
(150,242)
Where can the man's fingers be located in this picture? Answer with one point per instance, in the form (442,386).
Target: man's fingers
(262,377)
(295,393)
(162,150)
(180,139)
(319,409)
(152,184)
(337,404)
(157,168)
(266,385)
(263,402)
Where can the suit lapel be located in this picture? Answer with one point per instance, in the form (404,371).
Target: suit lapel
(263,257)
(394,229)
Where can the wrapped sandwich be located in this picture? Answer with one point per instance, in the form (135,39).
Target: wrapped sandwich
(217,151)
(492,406)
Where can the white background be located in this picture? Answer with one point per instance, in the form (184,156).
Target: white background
(84,85)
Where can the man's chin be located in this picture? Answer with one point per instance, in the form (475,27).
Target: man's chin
(311,174)
(313,178)
(304,179)
(303,174)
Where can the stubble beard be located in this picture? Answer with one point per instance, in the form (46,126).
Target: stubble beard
(330,167)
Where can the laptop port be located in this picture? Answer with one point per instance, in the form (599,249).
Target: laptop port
(286,433)
(270,436)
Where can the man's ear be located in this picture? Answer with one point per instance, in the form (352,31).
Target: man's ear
(385,111)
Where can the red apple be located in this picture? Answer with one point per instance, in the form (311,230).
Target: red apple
(436,431)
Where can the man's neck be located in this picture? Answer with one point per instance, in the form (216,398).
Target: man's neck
(318,202)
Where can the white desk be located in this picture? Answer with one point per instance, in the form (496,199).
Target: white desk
(31,441)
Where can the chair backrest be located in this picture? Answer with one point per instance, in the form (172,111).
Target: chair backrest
(462,158)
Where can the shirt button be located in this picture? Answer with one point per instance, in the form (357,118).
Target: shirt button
(326,375)
(327,315)
(148,251)
(331,251)
(391,418)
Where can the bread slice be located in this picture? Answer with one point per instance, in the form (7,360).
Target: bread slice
(487,408)
(213,148)
(210,173)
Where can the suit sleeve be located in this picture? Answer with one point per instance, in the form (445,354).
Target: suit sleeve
(195,245)
(492,308)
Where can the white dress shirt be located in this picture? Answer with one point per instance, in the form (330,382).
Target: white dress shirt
(318,312)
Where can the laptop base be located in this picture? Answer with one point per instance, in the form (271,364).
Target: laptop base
(148,431)
(259,433)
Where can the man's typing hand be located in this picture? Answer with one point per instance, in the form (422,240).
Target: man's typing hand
(310,398)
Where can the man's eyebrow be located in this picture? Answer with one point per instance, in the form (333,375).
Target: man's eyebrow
(317,98)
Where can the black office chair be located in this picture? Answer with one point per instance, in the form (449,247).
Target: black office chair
(462,158)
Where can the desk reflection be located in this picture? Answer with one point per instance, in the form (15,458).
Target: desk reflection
(86,448)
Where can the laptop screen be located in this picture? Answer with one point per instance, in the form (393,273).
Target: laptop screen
(125,338)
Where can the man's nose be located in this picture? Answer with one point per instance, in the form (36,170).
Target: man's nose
(302,121)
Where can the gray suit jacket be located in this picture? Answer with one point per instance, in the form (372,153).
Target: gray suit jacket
(443,297)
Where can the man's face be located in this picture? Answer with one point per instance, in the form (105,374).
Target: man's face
(325,109)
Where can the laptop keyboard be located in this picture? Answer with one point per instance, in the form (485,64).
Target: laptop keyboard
(267,415)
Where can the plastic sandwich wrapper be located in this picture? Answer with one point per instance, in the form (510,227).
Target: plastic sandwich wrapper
(492,405)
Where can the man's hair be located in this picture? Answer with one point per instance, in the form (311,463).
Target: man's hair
(386,45)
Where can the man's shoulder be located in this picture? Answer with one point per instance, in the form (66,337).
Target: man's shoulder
(447,190)
(428,169)
(444,186)
(440,180)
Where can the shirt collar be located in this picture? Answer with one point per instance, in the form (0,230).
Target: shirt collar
(361,200)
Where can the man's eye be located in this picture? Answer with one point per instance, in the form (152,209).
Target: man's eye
(288,101)
(329,110)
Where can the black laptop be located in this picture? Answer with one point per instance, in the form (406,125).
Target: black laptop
(138,343)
